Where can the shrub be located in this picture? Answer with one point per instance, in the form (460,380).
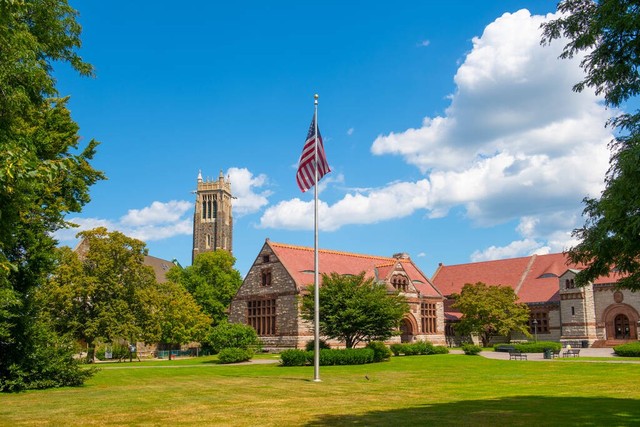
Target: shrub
(348,356)
(419,347)
(440,349)
(310,346)
(234,355)
(294,357)
(471,349)
(380,351)
(118,351)
(628,350)
(538,347)
(232,335)
(396,349)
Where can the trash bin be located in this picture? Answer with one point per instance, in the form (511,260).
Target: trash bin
(547,353)
(585,344)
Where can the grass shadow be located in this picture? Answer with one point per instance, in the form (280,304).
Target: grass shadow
(514,410)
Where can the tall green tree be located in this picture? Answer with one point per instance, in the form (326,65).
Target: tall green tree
(44,174)
(212,280)
(606,31)
(355,309)
(490,310)
(104,293)
(176,313)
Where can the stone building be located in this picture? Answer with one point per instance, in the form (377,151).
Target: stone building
(269,298)
(212,217)
(594,315)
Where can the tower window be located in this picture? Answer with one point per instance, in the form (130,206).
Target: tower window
(265,258)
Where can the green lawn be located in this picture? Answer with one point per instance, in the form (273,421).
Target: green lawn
(417,390)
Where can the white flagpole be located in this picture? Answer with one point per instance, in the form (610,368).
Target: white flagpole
(316,287)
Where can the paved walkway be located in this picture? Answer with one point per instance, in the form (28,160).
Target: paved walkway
(584,352)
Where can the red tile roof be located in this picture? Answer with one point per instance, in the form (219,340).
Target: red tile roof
(299,262)
(534,278)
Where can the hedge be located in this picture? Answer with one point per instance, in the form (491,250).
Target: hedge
(234,355)
(349,356)
(471,349)
(531,347)
(417,348)
(631,349)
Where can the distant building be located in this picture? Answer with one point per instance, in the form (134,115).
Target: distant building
(595,315)
(269,298)
(212,218)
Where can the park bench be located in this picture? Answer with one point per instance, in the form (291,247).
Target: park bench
(572,352)
(517,355)
(555,353)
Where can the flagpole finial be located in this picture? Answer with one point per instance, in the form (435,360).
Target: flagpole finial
(316,98)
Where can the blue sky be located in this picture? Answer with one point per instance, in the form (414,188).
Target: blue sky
(451,133)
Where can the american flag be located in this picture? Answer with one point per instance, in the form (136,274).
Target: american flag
(306,167)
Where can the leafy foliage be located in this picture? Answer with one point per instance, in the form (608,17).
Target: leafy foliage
(607,31)
(355,309)
(417,348)
(311,344)
(537,347)
(212,281)
(380,351)
(294,357)
(628,350)
(490,310)
(232,335)
(234,355)
(471,349)
(44,174)
(347,356)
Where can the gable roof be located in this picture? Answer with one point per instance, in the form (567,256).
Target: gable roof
(533,278)
(299,262)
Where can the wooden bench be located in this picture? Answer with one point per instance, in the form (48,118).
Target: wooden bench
(517,355)
(555,353)
(572,352)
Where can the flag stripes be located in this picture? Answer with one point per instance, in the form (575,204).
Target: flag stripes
(306,167)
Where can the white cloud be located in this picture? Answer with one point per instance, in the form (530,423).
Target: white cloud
(350,131)
(243,186)
(424,43)
(514,249)
(156,213)
(515,143)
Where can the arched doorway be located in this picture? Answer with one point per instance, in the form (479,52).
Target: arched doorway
(406,331)
(621,322)
(621,326)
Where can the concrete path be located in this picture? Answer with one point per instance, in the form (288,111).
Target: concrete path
(584,352)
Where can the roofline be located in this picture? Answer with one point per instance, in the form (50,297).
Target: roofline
(334,252)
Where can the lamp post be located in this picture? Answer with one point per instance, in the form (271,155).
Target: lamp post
(535,328)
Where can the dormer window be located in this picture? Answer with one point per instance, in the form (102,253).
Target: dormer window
(569,284)
(265,259)
(400,283)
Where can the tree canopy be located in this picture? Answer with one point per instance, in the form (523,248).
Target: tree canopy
(606,32)
(212,281)
(44,174)
(354,309)
(490,310)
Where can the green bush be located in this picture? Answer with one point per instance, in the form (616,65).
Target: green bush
(628,350)
(118,351)
(328,357)
(530,347)
(380,351)
(348,356)
(440,349)
(538,347)
(396,349)
(234,355)
(232,335)
(471,349)
(294,357)
(416,348)
(311,345)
